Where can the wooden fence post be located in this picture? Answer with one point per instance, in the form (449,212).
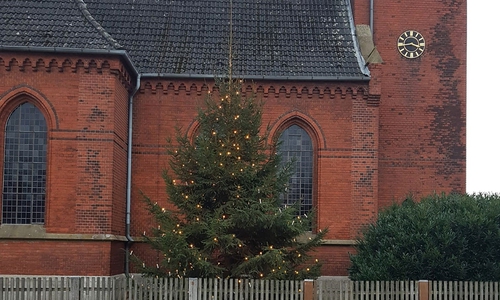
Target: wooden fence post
(309,289)
(74,288)
(193,288)
(423,290)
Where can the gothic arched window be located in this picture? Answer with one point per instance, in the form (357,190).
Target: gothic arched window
(24,167)
(296,144)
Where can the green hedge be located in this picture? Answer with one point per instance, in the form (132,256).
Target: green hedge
(442,237)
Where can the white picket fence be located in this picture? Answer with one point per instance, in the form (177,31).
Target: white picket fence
(451,290)
(394,290)
(140,288)
(63,288)
(407,290)
(212,288)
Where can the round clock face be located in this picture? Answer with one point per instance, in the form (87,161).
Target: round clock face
(411,44)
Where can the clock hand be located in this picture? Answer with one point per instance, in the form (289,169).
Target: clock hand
(412,44)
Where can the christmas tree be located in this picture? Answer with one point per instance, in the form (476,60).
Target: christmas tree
(225,185)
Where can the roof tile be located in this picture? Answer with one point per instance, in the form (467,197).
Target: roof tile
(276,38)
(48,23)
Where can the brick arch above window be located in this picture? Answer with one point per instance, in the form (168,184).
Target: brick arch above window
(302,120)
(23,93)
(193,130)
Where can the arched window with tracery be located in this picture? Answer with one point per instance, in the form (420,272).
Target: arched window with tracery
(24,167)
(297,146)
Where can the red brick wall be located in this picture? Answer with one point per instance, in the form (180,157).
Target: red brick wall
(156,113)
(334,258)
(85,102)
(59,257)
(119,164)
(361,11)
(422,104)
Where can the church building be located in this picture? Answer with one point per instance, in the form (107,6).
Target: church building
(370,97)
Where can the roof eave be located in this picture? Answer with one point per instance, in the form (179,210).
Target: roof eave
(363,78)
(129,64)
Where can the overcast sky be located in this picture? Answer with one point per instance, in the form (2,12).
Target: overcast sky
(483,97)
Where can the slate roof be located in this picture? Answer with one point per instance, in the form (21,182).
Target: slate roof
(51,23)
(301,39)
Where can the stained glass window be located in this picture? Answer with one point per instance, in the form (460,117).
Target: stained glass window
(297,144)
(25,165)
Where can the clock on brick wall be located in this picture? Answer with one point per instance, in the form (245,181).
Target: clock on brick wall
(411,44)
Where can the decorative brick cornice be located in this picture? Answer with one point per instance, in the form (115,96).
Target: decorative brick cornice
(265,90)
(66,65)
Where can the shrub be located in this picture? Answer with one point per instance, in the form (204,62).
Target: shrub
(442,237)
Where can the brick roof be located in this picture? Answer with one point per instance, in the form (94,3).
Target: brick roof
(271,38)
